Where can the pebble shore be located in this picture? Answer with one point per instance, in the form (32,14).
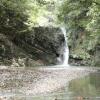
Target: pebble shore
(35,81)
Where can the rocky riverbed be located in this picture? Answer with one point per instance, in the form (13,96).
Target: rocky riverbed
(36,81)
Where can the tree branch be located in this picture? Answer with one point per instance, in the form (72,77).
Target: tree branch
(96,3)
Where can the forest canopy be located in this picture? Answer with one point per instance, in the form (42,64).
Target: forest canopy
(20,14)
(82,20)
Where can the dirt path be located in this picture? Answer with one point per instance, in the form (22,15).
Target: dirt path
(34,81)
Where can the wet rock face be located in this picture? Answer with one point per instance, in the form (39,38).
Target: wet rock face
(42,44)
(50,41)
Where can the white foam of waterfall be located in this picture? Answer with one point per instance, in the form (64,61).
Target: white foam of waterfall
(66,49)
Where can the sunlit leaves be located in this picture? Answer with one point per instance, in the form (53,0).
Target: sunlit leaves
(94,13)
(18,13)
(81,16)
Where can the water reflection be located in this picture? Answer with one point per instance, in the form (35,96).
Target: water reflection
(86,88)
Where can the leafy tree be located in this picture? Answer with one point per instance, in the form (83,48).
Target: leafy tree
(21,14)
(82,20)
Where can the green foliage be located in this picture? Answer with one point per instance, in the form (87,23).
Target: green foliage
(79,53)
(12,14)
(82,20)
(21,15)
(81,17)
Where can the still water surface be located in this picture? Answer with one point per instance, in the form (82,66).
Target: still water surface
(85,88)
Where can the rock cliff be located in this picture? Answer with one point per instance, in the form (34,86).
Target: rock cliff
(41,46)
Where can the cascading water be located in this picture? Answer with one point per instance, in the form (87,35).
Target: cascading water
(66,49)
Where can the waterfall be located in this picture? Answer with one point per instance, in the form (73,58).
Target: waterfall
(66,49)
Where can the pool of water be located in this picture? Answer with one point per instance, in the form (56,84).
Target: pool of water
(85,88)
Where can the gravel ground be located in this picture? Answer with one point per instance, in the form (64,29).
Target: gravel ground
(34,81)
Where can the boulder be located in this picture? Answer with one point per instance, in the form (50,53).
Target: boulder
(41,46)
